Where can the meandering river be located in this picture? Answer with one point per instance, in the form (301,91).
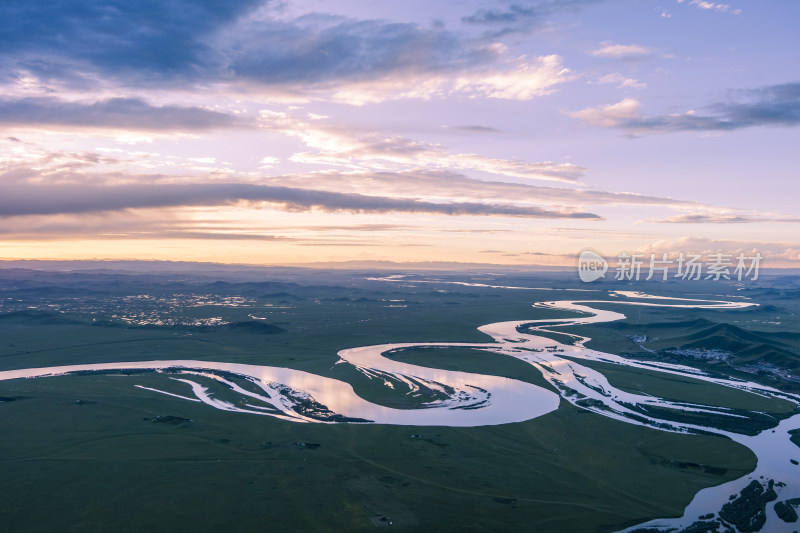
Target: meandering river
(452,398)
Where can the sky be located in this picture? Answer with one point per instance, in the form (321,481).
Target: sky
(270,132)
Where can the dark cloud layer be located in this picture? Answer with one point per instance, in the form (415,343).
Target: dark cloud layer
(160,38)
(319,50)
(63,199)
(775,105)
(168,42)
(453,184)
(477,129)
(118,113)
(521,17)
(723,219)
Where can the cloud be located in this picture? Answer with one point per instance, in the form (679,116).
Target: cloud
(317,49)
(521,18)
(37,167)
(365,150)
(722,219)
(713,6)
(774,105)
(622,51)
(69,199)
(476,128)
(703,219)
(149,41)
(612,115)
(507,79)
(527,79)
(770,105)
(163,224)
(55,198)
(621,81)
(83,45)
(38,182)
(553,259)
(440,185)
(114,113)
(218,225)
(775,254)
(583,233)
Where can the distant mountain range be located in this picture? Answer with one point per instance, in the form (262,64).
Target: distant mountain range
(163,267)
(207,268)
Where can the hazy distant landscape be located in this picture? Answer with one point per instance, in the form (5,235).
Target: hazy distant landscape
(91,442)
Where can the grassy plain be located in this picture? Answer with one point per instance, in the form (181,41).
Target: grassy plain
(89,453)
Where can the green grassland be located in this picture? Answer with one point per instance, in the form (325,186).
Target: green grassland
(745,344)
(88,450)
(90,453)
(686,389)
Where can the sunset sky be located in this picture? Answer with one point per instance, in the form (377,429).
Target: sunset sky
(271,132)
